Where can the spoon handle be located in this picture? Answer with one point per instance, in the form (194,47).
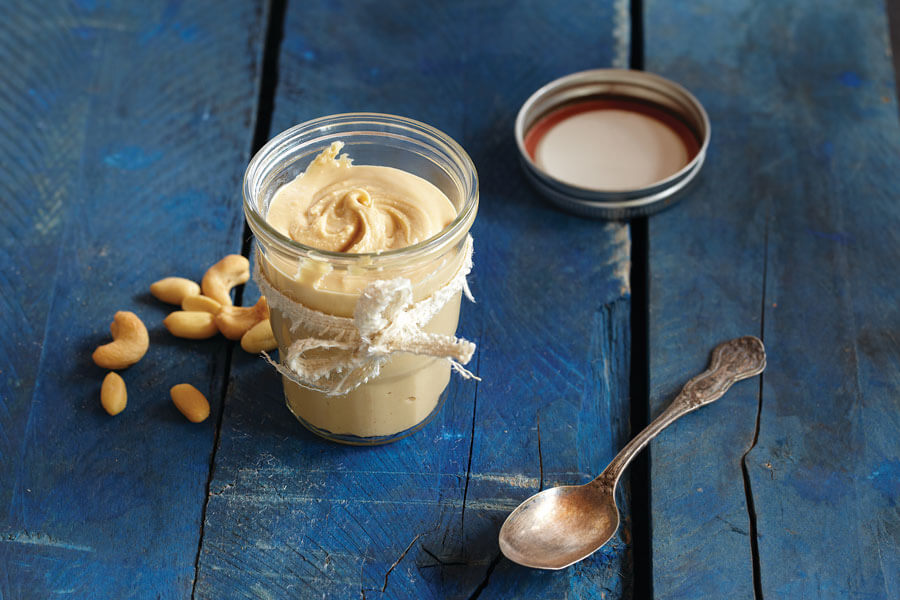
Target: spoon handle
(731,361)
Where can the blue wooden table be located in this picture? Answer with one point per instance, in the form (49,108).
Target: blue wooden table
(124,132)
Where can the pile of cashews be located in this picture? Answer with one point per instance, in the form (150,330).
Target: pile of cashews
(206,309)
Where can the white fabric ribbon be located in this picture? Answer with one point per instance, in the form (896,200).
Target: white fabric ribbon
(338,354)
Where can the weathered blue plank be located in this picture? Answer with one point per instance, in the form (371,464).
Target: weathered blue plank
(125,131)
(826,470)
(794,226)
(290,515)
(706,263)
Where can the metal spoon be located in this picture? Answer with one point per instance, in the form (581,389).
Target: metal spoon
(560,526)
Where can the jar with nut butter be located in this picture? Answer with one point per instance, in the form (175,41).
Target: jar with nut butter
(344,208)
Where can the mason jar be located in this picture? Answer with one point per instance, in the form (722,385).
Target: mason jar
(410,389)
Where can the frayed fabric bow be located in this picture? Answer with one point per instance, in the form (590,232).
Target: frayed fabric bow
(341,353)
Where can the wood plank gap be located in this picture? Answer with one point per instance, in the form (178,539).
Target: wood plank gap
(268,83)
(639,382)
(639,378)
(745,472)
(265,103)
(636,39)
(229,352)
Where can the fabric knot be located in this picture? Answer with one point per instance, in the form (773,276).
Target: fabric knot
(338,354)
(383,305)
(386,320)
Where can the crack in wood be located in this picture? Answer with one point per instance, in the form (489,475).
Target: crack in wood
(540,453)
(462,523)
(221,491)
(397,562)
(745,472)
(387,574)
(487,577)
(734,528)
(439,562)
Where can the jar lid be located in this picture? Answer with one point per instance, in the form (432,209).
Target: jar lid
(612,143)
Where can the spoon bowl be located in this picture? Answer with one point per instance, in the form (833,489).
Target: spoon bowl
(560,526)
(551,529)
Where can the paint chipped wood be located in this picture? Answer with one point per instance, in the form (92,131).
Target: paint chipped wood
(540,276)
(790,235)
(125,130)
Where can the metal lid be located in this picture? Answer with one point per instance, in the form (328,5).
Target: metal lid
(612,143)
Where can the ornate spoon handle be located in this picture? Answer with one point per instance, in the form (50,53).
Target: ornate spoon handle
(731,361)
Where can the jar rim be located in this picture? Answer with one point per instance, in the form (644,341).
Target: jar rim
(256,170)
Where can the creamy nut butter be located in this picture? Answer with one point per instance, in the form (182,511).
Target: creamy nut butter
(337,206)
(340,207)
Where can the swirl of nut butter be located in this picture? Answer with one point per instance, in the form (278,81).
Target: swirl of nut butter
(337,206)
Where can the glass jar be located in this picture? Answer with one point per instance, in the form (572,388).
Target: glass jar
(410,389)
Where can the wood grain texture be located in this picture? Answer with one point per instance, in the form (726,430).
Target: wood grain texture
(125,129)
(826,470)
(706,263)
(292,516)
(791,232)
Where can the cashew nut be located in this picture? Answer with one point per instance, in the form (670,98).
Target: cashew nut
(232,270)
(190,402)
(259,338)
(235,321)
(130,342)
(174,289)
(201,303)
(191,324)
(113,395)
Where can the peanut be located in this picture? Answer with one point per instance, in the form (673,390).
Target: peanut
(113,395)
(190,402)
(191,324)
(201,303)
(129,345)
(174,290)
(232,270)
(259,338)
(235,321)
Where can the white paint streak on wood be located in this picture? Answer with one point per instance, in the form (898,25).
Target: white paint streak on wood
(42,539)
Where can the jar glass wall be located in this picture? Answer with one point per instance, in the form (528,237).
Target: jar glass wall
(410,389)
